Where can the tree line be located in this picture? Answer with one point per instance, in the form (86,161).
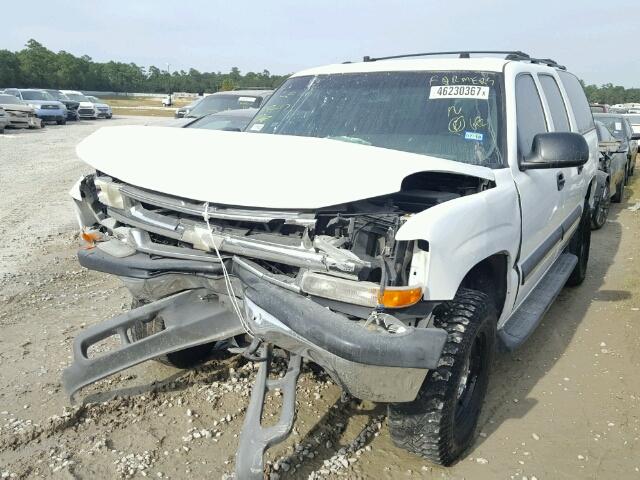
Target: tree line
(612,94)
(37,66)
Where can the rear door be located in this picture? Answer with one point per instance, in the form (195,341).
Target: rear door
(578,178)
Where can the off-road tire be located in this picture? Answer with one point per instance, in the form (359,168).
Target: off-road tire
(627,172)
(439,425)
(187,358)
(579,245)
(617,198)
(601,209)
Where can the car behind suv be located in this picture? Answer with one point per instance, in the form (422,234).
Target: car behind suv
(232,100)
(392,220)
(86,108)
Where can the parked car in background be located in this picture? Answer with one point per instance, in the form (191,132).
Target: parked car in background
(4,120)
(18,112)
(72,105)
(620,127)
(232,100)
(230,120)
(104,110)
(86,109)
(599,108)
(44,105)
(182,111)
(634,121)
(612,160)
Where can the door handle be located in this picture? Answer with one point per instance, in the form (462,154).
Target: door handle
(560,179)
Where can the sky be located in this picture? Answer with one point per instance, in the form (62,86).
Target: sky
(597,40)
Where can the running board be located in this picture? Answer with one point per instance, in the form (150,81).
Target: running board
(255,439)
(529,314)
(191,318)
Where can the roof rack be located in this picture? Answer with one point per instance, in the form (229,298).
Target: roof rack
(509,55)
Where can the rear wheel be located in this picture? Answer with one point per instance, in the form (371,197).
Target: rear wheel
(186,358)
(579,245)
(439,424)
(601,210)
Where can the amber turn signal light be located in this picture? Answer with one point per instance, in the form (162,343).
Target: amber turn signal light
(90,237)
(399,297)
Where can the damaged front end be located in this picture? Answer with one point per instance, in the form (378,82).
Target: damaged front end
(332,285)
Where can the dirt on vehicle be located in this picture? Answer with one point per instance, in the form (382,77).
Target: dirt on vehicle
(566,405)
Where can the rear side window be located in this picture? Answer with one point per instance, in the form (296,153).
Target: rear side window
(578,100)
(556,103)
(529,113)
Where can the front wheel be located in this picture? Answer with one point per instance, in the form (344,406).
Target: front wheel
(601,210)
(439,424)
(61,122)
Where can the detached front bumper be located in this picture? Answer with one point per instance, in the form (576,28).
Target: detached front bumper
(369,364)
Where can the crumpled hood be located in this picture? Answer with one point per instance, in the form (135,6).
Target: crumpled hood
(255,170)
(16,107)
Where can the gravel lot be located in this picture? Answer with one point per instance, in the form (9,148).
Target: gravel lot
(567,405)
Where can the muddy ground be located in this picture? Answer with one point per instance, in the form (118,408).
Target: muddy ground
(567,405)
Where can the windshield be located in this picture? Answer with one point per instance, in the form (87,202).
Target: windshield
(94,99)
(57,95)
(598,109)
(218,103)
(221,122)
(615,125)
(451,115)
(9,100)
(77,97)
(36,95)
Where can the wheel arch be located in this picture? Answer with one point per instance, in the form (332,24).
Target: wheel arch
(490,276)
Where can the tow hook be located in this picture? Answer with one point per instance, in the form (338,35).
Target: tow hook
(256,439)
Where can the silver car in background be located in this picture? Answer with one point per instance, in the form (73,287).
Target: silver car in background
(4,120)
(19,114)
(104,110)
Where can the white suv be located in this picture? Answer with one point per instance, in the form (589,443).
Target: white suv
(391,220)
(86,109)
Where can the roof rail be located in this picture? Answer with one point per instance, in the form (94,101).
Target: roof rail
(460,53)
(509,55)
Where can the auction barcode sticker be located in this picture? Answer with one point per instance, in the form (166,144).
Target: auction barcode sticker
(459,91)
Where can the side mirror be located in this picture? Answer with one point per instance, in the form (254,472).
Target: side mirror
(556,150)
